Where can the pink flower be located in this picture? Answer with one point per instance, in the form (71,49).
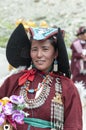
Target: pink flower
(2,116)
(17,99)
(8,109)
(11,109)
(18,116)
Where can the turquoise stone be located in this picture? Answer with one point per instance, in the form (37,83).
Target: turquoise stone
(31,91)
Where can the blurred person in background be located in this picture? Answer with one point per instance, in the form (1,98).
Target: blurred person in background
(78,59)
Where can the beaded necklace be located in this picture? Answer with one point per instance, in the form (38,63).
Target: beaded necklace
(27,84)
(35,103)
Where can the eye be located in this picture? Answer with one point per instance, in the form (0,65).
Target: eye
(33,49)
(45,48)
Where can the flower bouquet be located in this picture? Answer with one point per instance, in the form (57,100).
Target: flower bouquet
(11,111)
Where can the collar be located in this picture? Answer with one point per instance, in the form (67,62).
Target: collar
(28,75)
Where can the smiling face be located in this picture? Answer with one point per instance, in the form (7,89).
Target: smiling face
(42,54)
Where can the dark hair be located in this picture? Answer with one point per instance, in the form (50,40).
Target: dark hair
(81,31)
(53,41)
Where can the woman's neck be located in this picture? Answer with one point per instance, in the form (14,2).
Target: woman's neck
(45,72)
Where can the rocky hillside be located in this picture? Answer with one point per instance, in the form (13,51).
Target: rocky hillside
(66,14)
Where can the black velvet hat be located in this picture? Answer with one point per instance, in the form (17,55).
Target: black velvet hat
(18,47)
(63,61)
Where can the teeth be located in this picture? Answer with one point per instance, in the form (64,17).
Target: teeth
(40,61)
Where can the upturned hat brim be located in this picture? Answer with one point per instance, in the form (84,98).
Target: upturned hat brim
(63,61)
(18,48)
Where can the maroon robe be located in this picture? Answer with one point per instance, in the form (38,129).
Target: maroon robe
(75,61)
(70,98)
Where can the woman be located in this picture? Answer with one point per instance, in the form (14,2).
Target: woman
(78,60)
(51,97)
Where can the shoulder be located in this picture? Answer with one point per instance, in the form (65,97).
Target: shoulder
(66,82)
(75,42)
(69,90)
(14,74)
(68,86)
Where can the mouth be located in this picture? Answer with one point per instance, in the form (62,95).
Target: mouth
(40,62)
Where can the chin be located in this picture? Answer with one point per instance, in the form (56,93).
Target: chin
(40,68)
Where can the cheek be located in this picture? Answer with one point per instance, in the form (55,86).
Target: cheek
(51,57)
(32,55)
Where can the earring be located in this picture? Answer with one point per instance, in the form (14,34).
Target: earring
(33,66)
(55,67)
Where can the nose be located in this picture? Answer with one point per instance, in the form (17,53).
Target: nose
(39,54)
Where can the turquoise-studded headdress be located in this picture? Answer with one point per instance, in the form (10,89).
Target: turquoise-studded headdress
(19,44)
(43,33)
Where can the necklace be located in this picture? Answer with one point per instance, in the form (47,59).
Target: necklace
(35,103)
(27,84)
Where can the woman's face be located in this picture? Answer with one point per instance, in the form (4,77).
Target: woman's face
(42,54)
